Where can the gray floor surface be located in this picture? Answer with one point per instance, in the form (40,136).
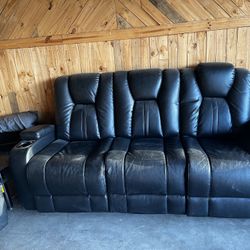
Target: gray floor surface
(32,230)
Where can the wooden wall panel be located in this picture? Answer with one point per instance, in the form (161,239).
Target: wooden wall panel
(28,74)
(242,47)
(34,23)
(159,52)
(36,18)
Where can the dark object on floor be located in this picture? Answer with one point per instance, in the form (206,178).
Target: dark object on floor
(3,209)
(143,141)
(10,128)
(5,181)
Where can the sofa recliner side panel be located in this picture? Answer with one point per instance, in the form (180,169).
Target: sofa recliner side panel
(214,109)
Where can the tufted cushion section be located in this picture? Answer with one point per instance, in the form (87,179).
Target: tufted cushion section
(239,98)
(85,106)
(215,79)
(218,177)
(146,103)
(146,175)
(145,85)
(219,121)
(83,88)
(70,176)
(146,120)
(214,99)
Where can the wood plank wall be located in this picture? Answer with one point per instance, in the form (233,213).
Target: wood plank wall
(40,40)
(21,19)
(28,74)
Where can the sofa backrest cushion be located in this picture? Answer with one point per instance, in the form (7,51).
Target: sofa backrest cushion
(84,106)
(146,103)
(214,99)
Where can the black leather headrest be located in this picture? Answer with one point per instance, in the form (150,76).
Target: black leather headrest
(145,84)
(215,79)
(83,87)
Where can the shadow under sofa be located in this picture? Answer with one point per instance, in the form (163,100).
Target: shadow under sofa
(142,141)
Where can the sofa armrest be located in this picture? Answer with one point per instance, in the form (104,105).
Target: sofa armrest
(21,154)
(18,121)
(37,132)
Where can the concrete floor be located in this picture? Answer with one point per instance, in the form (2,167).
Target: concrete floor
(32,230)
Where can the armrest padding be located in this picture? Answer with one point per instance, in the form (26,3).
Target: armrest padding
(17,122)
(37,132)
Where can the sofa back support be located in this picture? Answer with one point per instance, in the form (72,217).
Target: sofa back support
(84,107)
(211,100)
(146,103)
(214,100)
(140,103)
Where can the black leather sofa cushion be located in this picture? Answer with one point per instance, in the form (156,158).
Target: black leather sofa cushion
(146,175)
(214,113)
(213,105)
(141,176)
(12,125)
(70,169)
(17,122)
(215,80)
(84,107)
(37,132)
(219,171)
(146,103)
(230,165)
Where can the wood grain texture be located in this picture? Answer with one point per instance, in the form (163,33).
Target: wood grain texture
(123,34)
(28,74)
(30,23)
(40,41)
(159,15)
(167,10)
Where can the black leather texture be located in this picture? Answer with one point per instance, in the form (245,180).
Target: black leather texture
(37,132)
(147,103)
(214,115)
(84,107)
(10,128)
(17,122)
(216,102)
(143,141)
(20,156)
(146,175)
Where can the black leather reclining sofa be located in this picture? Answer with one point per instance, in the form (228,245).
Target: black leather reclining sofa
(142,141)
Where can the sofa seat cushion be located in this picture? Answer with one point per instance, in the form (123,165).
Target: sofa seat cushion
(69,169)
(146,175)
(218,171)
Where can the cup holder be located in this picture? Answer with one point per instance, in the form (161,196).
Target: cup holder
(24,144)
